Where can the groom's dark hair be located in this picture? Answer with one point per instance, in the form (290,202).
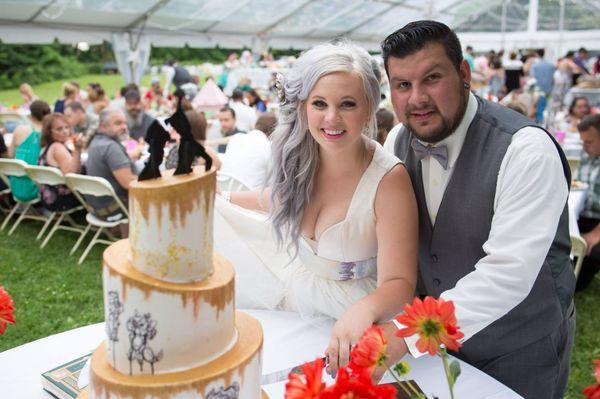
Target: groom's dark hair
(416,35)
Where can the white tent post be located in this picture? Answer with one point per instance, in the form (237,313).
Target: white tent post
(561,27)
(132,54)
(532,21)
(503,24)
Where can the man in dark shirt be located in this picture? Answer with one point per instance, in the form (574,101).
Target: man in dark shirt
(227,121)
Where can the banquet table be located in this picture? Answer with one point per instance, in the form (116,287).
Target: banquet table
(288,340)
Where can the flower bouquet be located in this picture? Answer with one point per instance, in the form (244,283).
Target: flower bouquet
(434,322)
(7,309)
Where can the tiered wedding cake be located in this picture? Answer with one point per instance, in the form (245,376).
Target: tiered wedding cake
(171,327)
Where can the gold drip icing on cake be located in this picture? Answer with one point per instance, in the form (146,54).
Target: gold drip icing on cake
(217,289)
(180,193)
(106,380)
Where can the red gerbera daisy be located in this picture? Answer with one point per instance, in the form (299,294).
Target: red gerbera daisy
(435,323)
(7,309)
(307,385)
(369,351)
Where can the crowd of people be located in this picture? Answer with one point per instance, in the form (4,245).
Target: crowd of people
(371,198)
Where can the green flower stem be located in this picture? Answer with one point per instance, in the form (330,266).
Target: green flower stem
(406,391)
(444,356)
(416,393)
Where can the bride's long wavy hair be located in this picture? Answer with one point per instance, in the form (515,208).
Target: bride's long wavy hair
(295,152)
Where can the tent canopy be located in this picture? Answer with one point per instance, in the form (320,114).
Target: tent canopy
(300,23)
(134,25)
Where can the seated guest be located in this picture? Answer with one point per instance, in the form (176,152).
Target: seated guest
(138,120)
(97,99)
(28,95)
(3,153)
(245,115)
(228,123)
(198,124)
(385,123)
(248,155)
(255,101)
(56,131)
(589,219)
(107,158)
(26,146)
(81,122)
(70,92)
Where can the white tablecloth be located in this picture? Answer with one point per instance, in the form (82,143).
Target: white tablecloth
(289,340)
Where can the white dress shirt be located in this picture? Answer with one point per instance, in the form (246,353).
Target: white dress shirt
(247,158)
(531,193)
(245,116)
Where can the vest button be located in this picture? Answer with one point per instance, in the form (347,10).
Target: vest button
(436,282)
(434,258)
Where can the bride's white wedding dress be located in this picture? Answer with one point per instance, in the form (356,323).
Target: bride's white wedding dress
(327,276)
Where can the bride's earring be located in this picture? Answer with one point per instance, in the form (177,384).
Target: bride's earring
(466,85)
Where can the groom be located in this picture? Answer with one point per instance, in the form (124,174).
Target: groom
(494,236)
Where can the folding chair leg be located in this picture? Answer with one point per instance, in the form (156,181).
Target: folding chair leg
(53,229)
(90,245)
(89,226)
(10,215)
(43,230)
(21,217)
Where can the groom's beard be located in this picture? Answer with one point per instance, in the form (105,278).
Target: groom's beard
(448,125)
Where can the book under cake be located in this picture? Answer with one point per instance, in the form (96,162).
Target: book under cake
(172,331)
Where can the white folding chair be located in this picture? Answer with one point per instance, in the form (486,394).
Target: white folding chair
(578,251)
(227,182)
(98,187)
(52,177)
(16,167)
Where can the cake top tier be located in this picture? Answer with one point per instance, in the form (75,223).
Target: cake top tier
(171,225)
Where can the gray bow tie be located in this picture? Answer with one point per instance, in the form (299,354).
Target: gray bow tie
(440,153)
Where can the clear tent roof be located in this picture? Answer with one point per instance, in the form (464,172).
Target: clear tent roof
(283,24)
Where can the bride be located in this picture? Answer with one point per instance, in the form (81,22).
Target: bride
(337,202)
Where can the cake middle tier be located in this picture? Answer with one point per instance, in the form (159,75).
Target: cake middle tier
(154,326)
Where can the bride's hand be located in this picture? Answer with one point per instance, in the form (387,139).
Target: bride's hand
(344,335)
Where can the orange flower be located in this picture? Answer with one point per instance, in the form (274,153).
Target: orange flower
(369,351)
(434,321)
(307,385)
(592,392)
(6,310)
(597,369)
(357,387)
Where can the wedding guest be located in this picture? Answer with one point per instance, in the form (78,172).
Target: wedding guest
(228,125)
(589,219)
(248,155)
(198,124)
(335,198)
(245,116)
(107,158)
(80,121)
(138,120)
(385,123)
(69,94)
(500,247)
(26,146)
(27,94)
(255,101)
(56,132)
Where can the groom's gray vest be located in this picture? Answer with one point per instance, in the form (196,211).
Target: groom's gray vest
(449,250)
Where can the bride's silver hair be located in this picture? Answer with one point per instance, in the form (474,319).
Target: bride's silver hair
(295,152)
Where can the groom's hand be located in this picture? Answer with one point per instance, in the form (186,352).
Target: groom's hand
(396,349)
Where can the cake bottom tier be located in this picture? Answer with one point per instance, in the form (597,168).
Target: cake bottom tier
(236,374)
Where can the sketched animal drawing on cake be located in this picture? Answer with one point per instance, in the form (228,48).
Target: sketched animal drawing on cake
(232,392)
(141,330)
(115,308)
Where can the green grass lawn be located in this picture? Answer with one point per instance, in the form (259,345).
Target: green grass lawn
(51,91)
(53,294)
